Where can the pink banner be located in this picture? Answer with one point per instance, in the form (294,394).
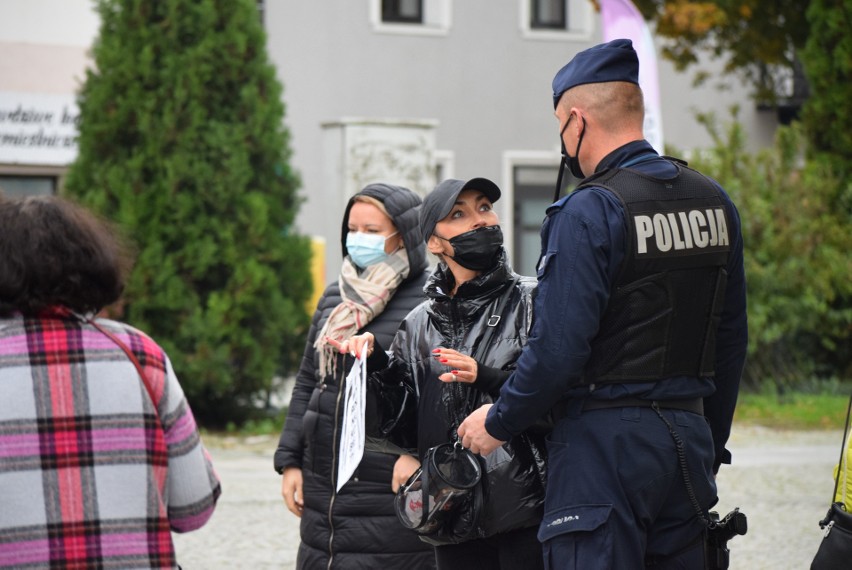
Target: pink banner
(621,19)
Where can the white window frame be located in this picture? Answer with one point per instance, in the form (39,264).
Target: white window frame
(510,160)
(446,159)
(580,21)
(437,20)
(58,173)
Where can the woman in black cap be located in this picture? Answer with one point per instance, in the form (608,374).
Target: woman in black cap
(381,280)
(472,289)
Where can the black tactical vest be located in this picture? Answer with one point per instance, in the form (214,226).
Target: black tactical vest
(666,302)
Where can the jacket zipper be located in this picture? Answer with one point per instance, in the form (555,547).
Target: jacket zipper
(334,468)
(458,337)
(457,328)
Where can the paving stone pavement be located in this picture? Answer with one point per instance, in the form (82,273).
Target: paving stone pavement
(781,479)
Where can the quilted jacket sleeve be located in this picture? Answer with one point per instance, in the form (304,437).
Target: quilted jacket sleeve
(290,444)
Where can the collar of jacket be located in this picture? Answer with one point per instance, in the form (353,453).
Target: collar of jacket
(472,295)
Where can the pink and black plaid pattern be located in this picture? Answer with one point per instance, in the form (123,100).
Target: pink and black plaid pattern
(92,473)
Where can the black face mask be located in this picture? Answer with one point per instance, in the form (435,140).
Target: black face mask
(574,161)
(479,249)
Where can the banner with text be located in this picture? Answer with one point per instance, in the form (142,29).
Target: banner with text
(38,128)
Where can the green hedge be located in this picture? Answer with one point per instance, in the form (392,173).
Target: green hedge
(796,225)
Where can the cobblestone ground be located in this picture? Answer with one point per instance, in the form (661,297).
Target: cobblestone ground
(782,480)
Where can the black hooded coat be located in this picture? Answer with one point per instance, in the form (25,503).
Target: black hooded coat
(357,527)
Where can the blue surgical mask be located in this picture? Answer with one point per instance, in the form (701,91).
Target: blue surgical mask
(366,249)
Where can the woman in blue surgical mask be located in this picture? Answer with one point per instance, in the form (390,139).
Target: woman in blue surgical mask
(381,279)
(372,237)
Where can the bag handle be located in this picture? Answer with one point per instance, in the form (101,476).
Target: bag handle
(423,476)
(133,359)
(842,455)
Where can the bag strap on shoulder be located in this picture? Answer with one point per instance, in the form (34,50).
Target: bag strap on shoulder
(465,394)
(493,320)
(132,357)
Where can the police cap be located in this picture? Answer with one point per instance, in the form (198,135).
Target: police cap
(612,61)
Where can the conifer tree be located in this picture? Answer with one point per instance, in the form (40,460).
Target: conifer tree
(182,143)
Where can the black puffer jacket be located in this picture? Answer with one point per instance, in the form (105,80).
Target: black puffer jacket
(356,528)
(514,493)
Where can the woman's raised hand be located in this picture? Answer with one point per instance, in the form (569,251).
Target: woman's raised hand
(354,344)
(463,367)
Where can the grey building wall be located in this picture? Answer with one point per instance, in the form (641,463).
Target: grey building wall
(484,80)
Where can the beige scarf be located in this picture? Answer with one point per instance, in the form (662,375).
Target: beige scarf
(364,297)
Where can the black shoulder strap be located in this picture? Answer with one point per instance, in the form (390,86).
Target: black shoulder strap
(464,394)
(493,320)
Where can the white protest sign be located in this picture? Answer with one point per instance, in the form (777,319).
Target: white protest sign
(352,435)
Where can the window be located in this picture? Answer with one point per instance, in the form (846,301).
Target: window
(557,20)
(261,11)
(445,165)
(548,15)
(20,186)
(402,11)
(533,177)
(411,17)
(533,194)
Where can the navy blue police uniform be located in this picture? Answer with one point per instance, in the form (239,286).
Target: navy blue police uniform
(640,336)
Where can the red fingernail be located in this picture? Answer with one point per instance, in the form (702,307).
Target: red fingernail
(437,350)
(442,360)
(455,371)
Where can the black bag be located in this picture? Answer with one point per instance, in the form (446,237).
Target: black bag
(442,497)
(390,412)
(835,550)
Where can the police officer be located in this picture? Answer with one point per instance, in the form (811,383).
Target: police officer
(640,336)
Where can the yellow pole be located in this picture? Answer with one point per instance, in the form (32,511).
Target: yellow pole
(318,280)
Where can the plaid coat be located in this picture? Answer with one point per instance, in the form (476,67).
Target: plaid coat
(92,474)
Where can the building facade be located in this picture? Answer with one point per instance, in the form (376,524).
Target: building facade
(405,91)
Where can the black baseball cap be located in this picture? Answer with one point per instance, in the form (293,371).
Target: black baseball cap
(438,203)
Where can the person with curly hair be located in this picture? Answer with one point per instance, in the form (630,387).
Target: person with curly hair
(100,457)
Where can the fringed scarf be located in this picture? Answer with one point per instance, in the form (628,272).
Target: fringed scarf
(364,297)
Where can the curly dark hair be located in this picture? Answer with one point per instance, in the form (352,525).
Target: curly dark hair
(55,252)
